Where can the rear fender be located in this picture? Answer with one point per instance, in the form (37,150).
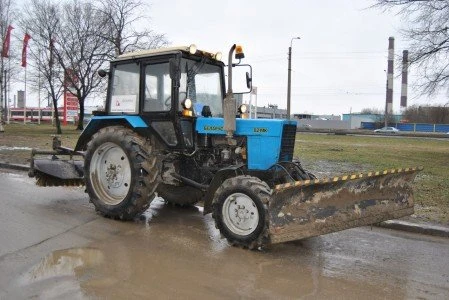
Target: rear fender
(135,123)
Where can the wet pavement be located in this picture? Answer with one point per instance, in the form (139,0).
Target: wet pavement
(53,246)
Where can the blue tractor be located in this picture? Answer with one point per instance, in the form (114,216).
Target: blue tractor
(171,128)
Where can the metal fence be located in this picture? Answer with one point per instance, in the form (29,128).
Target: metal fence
(411,127)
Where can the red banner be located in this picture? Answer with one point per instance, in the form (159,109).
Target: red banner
(70,78)
(71,107)
(5,49)
(71,104)
(26,38)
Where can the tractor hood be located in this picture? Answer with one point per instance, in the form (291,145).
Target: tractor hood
(268,141)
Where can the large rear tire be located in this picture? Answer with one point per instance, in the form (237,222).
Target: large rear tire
(240,210)
(120,173)
(179,195)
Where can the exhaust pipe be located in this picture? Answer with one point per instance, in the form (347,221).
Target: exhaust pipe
(229,108)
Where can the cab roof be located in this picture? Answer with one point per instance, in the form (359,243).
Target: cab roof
(153,52)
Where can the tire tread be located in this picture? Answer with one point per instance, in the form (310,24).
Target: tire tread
(144,167)
(262,191)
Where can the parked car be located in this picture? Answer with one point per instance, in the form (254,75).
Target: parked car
(387,130)
(305,126)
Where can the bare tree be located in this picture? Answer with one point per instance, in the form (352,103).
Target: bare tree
(80,51)
(6,71)
(75,39)
(122,17)
(42,20)
(92,35)
(427,30)
(427,114)
(378,116)
(372,111)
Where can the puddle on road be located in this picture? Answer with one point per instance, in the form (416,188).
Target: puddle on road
(7,148)
(66,263)
(177,253)
(60,274)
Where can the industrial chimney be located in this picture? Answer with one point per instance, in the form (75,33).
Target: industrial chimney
(389,96)
(404,80)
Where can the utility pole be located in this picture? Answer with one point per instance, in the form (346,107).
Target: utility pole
(289,85)
(8,95)
(5,99)
(39,88)
(2,81)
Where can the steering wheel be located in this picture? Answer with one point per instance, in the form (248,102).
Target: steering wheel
(167,101)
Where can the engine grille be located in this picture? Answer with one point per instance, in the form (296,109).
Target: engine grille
(288,142)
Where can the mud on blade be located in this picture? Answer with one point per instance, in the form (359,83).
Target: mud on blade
(314,207)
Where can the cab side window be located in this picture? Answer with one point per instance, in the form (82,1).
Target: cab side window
(157,88)
(125,89)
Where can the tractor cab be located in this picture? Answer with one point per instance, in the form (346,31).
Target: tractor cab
(168,88)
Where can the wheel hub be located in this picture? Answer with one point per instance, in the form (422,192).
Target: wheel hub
(111,173)
(240,214)
(114,176)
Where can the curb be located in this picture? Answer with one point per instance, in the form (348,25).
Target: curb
(422,228)
(19,167)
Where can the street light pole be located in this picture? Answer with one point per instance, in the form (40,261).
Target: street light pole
(289,86)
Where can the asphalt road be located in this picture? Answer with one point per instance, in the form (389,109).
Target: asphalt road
(54,246)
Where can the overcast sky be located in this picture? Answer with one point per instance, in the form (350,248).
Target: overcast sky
(337,65)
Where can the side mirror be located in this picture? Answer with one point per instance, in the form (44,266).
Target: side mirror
(175,68)
(249,80)
(242,80)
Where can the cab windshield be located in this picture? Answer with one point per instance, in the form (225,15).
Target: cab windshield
(201,83)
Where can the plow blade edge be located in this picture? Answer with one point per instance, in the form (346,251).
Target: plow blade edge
(314,207)
(55,172)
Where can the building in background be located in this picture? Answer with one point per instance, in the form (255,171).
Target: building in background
(32,114)
(316,117)
(356,119)
(271,112)
(309,121)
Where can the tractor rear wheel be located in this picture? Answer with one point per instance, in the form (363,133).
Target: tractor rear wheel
(120,173)
(240,210)
(182,195)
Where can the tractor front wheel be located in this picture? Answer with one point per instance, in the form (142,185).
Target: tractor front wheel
(120,173)
(240,210)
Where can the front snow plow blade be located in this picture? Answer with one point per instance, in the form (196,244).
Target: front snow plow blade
(57,172)
(54,171)
(309,208)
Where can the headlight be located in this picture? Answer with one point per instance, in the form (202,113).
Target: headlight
(218,56)
(243,108)
(187,103)
(192,49)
